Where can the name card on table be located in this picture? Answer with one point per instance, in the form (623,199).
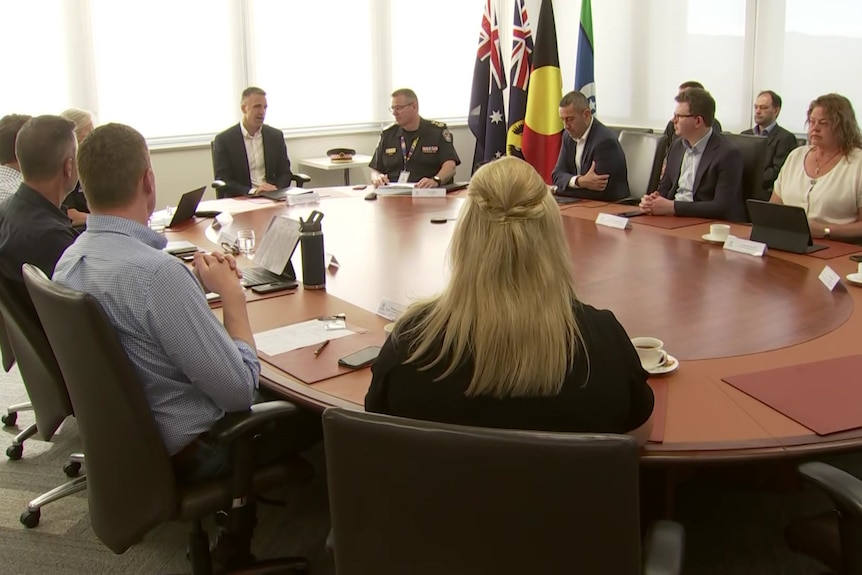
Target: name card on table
(389,309)
(307,197)
(224,219)
(829,278)
(746,247)
(612,221)
(330,261)
(429,192)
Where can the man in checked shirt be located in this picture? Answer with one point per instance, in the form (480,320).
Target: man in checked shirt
(193,369)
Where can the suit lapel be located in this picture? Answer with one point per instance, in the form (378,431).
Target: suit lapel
(705,161)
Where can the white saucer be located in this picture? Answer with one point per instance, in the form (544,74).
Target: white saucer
(712,240)
(671,365)
(855,279)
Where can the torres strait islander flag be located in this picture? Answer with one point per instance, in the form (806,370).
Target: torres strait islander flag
(585,77)
(543,128)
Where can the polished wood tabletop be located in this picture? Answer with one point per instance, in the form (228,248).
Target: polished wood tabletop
(720,313)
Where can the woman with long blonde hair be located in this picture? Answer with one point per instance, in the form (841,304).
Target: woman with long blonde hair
(75,203)
(507,343)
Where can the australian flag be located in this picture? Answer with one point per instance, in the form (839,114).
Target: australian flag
(522,62)
(487,118)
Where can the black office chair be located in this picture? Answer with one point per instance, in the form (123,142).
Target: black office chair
(833,538)
(45,387)
(10,419)
(753,149)
(132,485)
(218,185)
(427,498)
(644,154)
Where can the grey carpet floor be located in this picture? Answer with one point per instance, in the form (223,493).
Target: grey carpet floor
(731,527)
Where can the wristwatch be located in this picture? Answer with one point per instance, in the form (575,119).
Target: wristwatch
(826,233)
(436,179)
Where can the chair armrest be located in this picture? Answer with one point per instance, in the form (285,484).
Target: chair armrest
(664,548)
(235,425)
(300,179)
(844,489)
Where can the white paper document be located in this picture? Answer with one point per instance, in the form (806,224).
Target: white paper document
(290,337)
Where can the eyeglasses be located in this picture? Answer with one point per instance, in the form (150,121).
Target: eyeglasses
(399,108)
(678,116)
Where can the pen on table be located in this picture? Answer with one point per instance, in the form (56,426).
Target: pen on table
(320,348)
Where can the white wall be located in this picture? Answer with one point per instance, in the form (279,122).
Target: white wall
(179,170)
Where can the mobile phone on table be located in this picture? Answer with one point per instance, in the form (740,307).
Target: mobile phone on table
(631,214)
(362,358)
(274,286)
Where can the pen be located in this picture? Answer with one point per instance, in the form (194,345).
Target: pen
(320,348)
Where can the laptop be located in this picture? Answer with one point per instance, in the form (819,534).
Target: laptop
(781,227)
(186,208)
(273,254)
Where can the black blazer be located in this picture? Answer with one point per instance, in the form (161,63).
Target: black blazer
(230,162)
(779,144)
(717,184)
(603,147)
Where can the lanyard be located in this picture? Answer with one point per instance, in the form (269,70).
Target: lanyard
(404,153)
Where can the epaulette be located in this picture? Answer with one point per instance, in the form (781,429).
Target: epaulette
(441,125)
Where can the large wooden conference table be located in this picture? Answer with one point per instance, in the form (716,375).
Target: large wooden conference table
(720,313)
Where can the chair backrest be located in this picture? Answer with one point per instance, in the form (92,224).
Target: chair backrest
(130,479)
(619,129)
(427,498)
(36,362)
(644,155)
(753,149)
(6,352)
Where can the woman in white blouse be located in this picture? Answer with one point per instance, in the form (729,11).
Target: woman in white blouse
(825,177)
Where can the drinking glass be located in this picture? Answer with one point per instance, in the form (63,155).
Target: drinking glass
(245,241)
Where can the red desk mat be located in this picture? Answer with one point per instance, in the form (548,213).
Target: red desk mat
(824,396)
(668,222)
(309,368)
(659,410)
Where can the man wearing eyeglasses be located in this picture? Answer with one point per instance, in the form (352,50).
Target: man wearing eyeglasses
(413,149)
(703,177)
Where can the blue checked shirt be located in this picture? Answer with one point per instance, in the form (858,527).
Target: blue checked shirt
(191,370)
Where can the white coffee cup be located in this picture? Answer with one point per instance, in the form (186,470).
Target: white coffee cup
(650,350)
(719,231)
(388,327)
(859,269)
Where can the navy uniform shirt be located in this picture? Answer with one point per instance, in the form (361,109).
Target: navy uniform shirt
(34,231)
(422,153)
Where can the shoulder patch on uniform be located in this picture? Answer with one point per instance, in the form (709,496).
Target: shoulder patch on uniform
(447,135)
(438,124)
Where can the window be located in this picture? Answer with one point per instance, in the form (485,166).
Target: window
(164,67)
(35,77)
(433,49)
(314,60)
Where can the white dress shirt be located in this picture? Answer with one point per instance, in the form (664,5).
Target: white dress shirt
(688,170)
(254,153)
(579,152)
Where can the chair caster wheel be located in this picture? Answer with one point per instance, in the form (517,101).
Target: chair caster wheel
(10,419)
(72,469)
(14,452)
(30,519)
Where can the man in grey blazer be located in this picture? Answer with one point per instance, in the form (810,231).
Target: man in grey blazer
(251,157)
(591,163)
(779,142)
(703,177)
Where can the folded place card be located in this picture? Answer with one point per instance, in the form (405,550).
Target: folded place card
(612,221)
(829,278)
(389,309)
(742,246)
(429,192)
(307,197)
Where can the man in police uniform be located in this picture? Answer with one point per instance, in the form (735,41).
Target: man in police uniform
(413,149)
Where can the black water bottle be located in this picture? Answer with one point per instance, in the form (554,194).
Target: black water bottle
(311,244)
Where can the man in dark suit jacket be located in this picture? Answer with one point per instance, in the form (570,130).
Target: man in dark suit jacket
(251,157)
(779,142)
(591,164)
(703,177)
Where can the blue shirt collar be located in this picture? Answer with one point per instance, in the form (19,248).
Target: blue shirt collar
(768,129)
(700,146)
(115,224)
